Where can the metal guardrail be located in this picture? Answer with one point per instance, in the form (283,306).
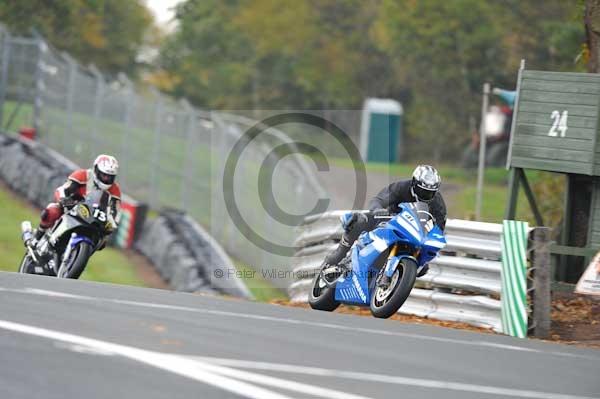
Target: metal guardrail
(463,283)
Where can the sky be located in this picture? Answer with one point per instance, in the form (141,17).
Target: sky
(163,11)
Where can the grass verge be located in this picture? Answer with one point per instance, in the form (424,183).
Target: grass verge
(262,289)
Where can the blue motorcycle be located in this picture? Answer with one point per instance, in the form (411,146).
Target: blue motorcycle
(382,265)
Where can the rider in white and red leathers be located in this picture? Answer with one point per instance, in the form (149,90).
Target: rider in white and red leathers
(101,176)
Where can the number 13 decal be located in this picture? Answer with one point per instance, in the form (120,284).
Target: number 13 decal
(100,215)
(559,124)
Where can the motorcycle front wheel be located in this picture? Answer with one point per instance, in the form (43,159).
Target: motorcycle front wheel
(78,258)
(386,301)
(27,265)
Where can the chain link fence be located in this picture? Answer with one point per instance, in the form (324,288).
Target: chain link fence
(171,154)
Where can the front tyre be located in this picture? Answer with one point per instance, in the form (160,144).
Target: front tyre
(322,295)
(386,301)
(27,265)
(78,258)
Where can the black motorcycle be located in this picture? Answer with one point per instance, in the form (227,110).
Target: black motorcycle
(65,249)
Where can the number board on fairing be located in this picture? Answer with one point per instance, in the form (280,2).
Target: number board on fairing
(556,127)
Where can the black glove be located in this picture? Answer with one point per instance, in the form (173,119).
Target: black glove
(67,202)
(349,220)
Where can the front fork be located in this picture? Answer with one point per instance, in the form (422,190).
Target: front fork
(390,266)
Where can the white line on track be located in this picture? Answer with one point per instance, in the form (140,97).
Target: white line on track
(227,379)
(212,371)
(281,383)
(387,379)
(494,345)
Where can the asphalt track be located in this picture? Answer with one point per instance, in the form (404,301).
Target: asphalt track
(75,339)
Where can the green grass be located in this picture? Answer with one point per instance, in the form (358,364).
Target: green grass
(109,265)
(262,289)
(462,204)
(18,115)
(494,202)
(451,174)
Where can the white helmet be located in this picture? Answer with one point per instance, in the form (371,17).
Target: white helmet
(105,171)
(425,183)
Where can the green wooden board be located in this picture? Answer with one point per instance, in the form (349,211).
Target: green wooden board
(556,123)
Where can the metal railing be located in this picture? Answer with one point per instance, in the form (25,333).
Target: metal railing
(463,283)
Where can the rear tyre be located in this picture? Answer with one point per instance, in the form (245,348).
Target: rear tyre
(321,295)
(386,301)
(74,266)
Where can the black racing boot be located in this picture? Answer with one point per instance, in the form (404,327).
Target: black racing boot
(423,271)
(336,256)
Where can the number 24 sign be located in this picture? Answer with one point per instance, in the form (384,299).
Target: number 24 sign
(559,124)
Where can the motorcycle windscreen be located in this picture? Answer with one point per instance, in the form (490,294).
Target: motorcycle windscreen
(97,199)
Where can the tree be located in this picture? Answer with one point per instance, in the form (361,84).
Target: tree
(431,55)
(592,32)
(443,51)
(108,33)
(208,57)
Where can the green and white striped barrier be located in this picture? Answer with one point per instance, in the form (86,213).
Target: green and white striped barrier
(514,278)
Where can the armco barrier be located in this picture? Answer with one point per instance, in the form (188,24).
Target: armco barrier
(463,283)
(186,256)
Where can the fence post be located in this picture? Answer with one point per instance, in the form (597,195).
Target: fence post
(5,35)
(129,106)
(219,220)
(482,149)
(154,162)
(541,282)
(98,98)
(189,154)
(38,101)
(70,98)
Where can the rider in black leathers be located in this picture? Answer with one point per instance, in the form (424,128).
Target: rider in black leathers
(424,186)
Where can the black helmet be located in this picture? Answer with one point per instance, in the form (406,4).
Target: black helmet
(425,183)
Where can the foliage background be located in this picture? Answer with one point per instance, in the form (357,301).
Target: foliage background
(431,55)
(107,33)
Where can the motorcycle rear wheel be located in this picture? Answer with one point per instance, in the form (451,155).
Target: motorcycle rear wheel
(322,295)
(386,301)
(77,261)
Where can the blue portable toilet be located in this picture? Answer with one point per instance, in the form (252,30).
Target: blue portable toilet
(381,130)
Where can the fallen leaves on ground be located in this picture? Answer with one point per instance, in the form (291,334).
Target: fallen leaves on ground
(575,319)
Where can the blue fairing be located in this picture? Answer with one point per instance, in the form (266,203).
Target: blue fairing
(404,228)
